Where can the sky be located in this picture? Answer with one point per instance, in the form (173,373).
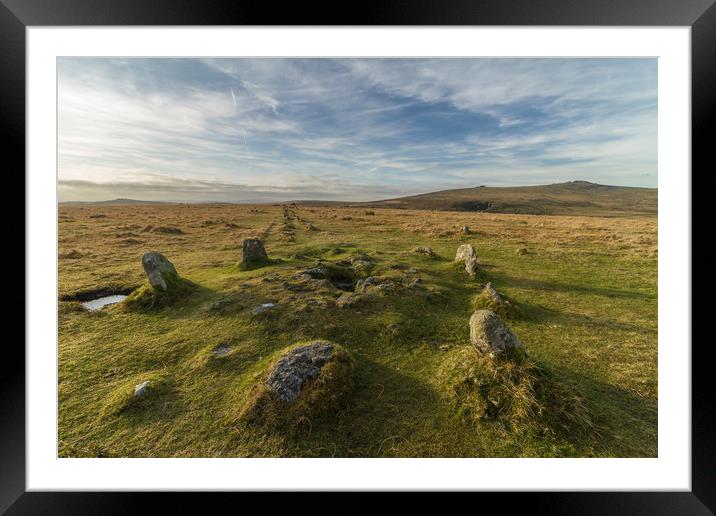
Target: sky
(269,130)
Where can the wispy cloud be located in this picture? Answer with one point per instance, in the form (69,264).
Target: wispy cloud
(258,130)
(324,187)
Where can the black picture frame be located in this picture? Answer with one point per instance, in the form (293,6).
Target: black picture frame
(16,15)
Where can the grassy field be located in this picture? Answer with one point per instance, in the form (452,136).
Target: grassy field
(585,290)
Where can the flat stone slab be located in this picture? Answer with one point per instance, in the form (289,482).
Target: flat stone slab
(296,367)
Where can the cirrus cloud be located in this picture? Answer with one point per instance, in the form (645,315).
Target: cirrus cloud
(259,130)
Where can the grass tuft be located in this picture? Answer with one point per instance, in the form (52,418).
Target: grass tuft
(515,395)
(68,307)
(148,298)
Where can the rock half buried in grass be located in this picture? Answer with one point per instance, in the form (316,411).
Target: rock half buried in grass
(254,254)
(491,336)
(136,393)
(262,308)
(297,366)
(141,389)
(426,251)
(306,380)
(348,299)
(466,253)
(160,272)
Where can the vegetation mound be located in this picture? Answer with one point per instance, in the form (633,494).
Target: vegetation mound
(136,393)
(321,396)
(514,395)
(148,298)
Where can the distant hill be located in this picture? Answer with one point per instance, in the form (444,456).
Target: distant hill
(571,198)
(115,201)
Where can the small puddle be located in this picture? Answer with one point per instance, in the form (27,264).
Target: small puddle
(97,304)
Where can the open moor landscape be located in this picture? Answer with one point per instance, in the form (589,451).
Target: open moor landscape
(416,328)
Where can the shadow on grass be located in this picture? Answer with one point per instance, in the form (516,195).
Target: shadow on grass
(383,411)
(543,315)
(95,293)
(527,283)
(394,414)
(166,405)
(626,423)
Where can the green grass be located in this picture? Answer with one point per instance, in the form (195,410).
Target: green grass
(587,299)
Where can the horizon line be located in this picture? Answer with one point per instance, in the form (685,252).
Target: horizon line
(338,201)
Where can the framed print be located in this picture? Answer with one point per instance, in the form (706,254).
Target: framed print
(444,248)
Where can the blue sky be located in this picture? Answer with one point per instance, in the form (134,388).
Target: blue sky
(264,130)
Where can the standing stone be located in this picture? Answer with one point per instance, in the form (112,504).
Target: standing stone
(490,335)
(254,254)
(466,230)
(467,254)
(471,265)
(160,271)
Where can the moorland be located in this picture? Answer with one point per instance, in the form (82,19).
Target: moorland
(582,291)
